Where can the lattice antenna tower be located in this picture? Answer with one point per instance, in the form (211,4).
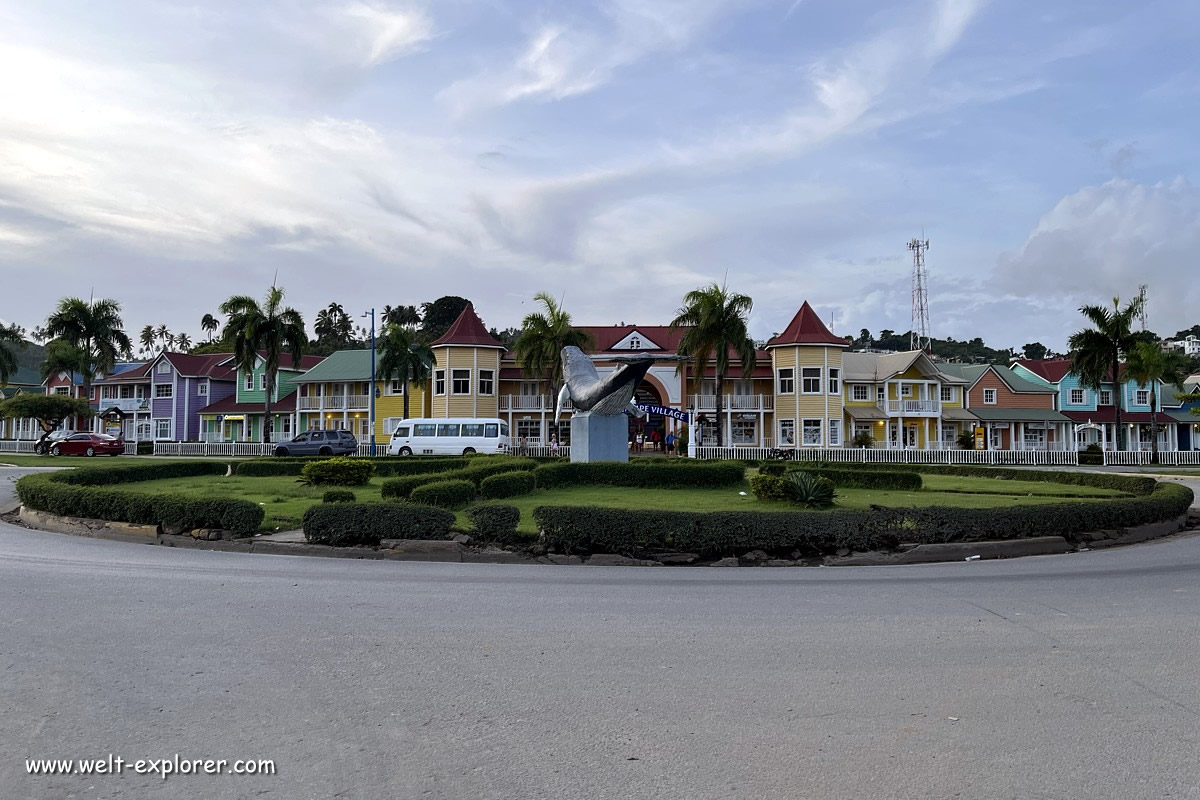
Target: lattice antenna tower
(1142,297)
(919,337)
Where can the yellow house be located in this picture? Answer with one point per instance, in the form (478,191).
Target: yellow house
(336,395)
(466,372)
(902,400)
(807,360)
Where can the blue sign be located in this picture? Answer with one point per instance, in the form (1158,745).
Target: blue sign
(663,411)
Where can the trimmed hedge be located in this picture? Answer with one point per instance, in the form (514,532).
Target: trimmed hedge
(348,524)
(507,484)
(402,487)
(338,472)
(391,465)
(136,473)
(647,474)
(495,523)
(338,496)
(1132,484)
(572,529)
(900,480)
(772,468)
(444,494)
(52,494)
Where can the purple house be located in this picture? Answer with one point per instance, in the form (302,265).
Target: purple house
(181,385)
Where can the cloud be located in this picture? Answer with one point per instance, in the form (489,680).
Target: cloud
(383,33)
(1106,240)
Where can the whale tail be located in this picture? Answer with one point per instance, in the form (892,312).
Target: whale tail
(564,394)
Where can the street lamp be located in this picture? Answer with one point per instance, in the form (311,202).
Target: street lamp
(373,392)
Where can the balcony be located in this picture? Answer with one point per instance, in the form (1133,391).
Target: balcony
(124,403)
(336,402)
(911,408)
(733,402)
(526,402)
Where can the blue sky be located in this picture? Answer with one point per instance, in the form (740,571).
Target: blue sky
(617,153)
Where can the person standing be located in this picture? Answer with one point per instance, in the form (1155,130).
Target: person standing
(670,443)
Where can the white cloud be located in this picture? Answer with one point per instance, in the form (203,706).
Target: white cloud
(382,33)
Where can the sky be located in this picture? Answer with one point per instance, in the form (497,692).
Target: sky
(615,153)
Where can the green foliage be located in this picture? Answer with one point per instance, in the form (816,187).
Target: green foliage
(495,523)
(402,357)
(94,330)
(1092,456)
(444,494)
(83,493)
(1097,351)
(507,484)
(11,338)
(965,441)
(438,316)
(862,439)
(294,465)
(48,409)
(772,468)
(338,496)
(543,336)
(769,487)
(571,529)
(348,524)
(647,473)
(809,490)
(865,478)
(480,467)
(1133,484)
(338,472)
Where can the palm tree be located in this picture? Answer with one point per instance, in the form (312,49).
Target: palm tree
(1098,350)
(270,329)
(9,335)
(61,356)
(209,324)
(543,336)
(714,325)
(164,335)
(183,342)
(405,316)
(147,337)
(94,329)
(1148,364)
(404,358)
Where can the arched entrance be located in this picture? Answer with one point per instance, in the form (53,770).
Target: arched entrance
(1087,433)
(648,393)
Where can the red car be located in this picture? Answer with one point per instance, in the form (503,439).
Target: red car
(88,444)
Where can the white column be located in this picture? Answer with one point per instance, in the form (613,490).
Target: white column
(1020,442)
(927,433)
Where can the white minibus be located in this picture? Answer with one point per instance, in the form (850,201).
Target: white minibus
(449,436)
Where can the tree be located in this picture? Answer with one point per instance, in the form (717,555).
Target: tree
(404,316)
(1098,350)
(507,337)
(209,324)
(1148,364)
(61,356)
(1035,351)
(714,325)
(165,336)
(147,338)
(270,329)
(184,342)
(864,338)
(94,329)
(11,336)
(543,336)
(438,316)
(49,410)
(334,328)
(404,358)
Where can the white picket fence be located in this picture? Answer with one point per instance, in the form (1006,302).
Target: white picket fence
(14,446)
(542,451)
(1025,458)
(1141,458)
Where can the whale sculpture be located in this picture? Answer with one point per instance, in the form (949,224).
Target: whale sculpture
(607,396)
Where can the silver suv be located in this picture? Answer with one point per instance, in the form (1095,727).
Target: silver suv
(319,443)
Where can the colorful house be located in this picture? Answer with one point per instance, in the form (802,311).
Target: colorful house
(68,384)
(22,381)
(239,417)
(466,370)
(180,385)
(124,395)
(1014,413)
(336,395)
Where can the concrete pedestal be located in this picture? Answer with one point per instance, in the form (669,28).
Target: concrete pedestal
(599,438)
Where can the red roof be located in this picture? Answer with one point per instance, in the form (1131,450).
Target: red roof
(606,337)
(807,328)
(230,406)
(202,366)
(468,329)
(1050,369)
(137,374)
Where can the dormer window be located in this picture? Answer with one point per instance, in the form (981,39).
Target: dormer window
(163,368)
(635,343)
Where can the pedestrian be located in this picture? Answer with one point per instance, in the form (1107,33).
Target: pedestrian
(637,447)
(655,440)
(554,444)
(670,442)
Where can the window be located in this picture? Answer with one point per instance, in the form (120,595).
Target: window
(163,368)
(503,429)
(947,394)
(472,430)
(487,382)
(490,431)
(1077,397)
(787,431)
(529,430)
(835,433)
(810,429)
(1106,397)
(202,389)
(402,431)
(810,380)
(906,390)
(743,431)
(460,381)
(249,381)
(860,392)
(439,382)
(106,392)
(880,393)
(396,387)
(635,343)
(61,390)
(1141,397)
(162,429)
(835,383)
(787,381)
(143,431)
(317,436)
(163,390)
(262,382)
(425,430)
(989,397)
(127,392)
(1035,438)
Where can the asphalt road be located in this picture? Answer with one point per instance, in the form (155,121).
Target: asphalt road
(1056,677)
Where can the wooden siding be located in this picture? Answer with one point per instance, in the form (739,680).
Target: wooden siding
(1005,397)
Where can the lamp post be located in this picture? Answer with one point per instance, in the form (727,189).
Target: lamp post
(371,415)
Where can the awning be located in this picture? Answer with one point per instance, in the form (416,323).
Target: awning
(957,415)
(1019,415)
(865,412)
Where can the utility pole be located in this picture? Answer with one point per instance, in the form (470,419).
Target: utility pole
(372,390)
(919,336)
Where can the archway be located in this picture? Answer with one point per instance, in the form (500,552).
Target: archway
(649,392)
(1090,426)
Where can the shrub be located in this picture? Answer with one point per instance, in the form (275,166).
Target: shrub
(338,496)
(269,468)
(483,467)
(772,468)
(769,487)
(347,524)
(495,522)
(862,439)
(637,533)
(338,472)
(507,484)
(809,490)
(402,487)
(659,474)
(965,441)
(865,478)
(136,473)
(1133,484)
(444,494)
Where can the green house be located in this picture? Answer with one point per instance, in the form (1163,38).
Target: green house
(239,417)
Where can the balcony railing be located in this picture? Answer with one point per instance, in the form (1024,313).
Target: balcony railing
(910,407)
(526,402)
(309,403)
(336,402)
(733,402)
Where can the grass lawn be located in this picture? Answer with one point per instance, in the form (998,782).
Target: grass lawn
(285,500)
(58,462)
